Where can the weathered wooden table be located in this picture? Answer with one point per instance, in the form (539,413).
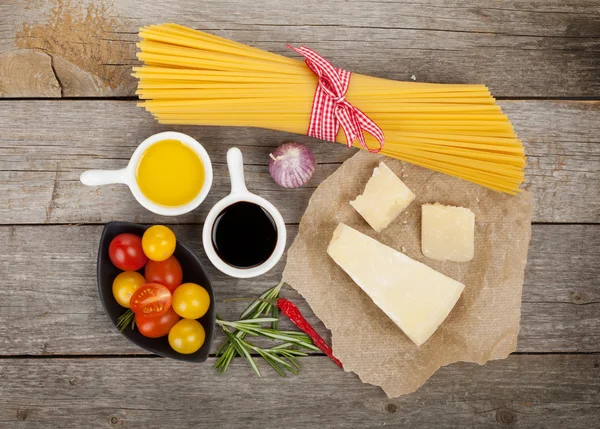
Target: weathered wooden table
(70,106)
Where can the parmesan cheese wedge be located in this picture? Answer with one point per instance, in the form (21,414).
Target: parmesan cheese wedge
(417,298)
(383,199)
(447,232)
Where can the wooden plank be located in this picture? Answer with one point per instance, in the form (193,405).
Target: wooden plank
(45,145)
(517,48)
(50,303)
(520,392)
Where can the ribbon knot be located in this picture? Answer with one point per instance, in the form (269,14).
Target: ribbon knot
(330,109)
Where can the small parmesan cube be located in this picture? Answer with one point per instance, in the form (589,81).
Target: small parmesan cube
(447,232)
(383,199)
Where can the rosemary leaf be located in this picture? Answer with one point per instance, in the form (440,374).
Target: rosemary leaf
(276,367)
(295,334)
(242,351)
(248,322)
(282,346)
(275,315)
(224,361)
(294,361)
(279,360)
(294,353)
(270,333)
(269,294)
(222,348)
(126,319)
(263,308)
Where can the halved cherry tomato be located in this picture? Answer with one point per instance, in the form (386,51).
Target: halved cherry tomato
(156,327)
(159,242)
(151,300)
(167,273)
(126,253)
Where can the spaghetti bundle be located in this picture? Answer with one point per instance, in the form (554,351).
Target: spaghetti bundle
(191,77)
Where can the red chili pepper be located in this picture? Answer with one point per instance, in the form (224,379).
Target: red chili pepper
(291,311)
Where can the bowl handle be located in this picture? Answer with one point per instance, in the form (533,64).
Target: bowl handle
(103,177)
(235,163)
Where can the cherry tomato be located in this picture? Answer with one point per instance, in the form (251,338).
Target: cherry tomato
(125,285)
(187,336)
(191,301)
(158,242)
(156,327)
(151,300)
(167,273)
(126,253)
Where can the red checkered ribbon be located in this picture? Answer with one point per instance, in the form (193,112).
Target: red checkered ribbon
(330,108)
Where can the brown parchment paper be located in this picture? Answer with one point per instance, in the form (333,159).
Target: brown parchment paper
(484,323)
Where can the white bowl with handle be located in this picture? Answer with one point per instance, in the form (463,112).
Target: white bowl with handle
(126,175)
(240,193)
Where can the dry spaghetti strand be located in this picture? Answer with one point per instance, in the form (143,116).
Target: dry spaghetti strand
(195,78)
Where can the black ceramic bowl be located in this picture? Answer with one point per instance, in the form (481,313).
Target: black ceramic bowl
(192,272)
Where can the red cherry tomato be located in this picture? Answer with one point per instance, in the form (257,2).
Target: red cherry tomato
(126,253)
(151,300)
(156,327)
(167,273)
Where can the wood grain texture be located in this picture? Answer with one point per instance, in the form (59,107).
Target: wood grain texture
(45,145)
(518,48)
(50,302)
(27,73)
(519,392)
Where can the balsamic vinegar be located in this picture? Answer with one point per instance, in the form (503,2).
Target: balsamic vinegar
(244,235)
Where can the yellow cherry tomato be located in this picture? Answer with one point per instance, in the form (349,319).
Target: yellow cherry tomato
(125,284)
(187,336)
(158,243)
(190,301)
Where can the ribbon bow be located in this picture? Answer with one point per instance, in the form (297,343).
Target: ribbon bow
(330,108)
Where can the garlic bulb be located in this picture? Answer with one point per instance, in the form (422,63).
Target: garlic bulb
(292,165)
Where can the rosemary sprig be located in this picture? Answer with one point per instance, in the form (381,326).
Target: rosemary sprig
(282,357)
(257,308)
(126,319)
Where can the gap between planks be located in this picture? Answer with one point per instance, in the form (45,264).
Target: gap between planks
(212,355)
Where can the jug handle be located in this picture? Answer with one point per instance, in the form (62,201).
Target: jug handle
(103,177)
(235,164)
